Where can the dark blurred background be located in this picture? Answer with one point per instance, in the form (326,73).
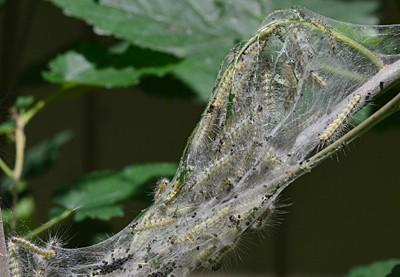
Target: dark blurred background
(341,215)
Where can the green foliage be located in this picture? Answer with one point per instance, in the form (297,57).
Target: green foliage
(23,211)
(96,195)
(199,32)
(7,127)
(388,268)
(73,68)
(24,102)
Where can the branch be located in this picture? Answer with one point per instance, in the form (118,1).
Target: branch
(41,104)
(20,141)
(49,224)
(6,169)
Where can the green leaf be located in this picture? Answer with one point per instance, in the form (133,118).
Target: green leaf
(177,27)
(382,268)
(7,127)
(23,211)
(198,75)
(72,68)
(24,102)
(124,54)
(190,29)
(96,194)
(202,32)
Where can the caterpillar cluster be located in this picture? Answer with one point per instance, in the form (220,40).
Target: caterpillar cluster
(273,105)
(16,244)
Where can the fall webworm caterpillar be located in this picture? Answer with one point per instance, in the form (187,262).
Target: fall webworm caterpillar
(177,186)
(162,186)
(154,223)
(174,192)
(199,228)
(30,247)
(335,124)
(13,263)
(325,28)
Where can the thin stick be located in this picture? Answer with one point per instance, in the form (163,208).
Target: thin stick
(53,97)
(5,168)
(49,224)
(20,141)
(4,271)
(39,105)
(28,115)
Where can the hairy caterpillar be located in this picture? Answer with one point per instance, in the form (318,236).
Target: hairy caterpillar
(199,228)
(30,247)
(154,223)
(162,186)
(334,125)
(331,38)
(13,262)
(174,192)
(288,69)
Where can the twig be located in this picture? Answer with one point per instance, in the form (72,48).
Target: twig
(28,115)
(6,169)
(39,105)
(20,141)
(49,224)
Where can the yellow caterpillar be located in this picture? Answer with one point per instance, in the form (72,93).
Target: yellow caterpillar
(199,228)
(15,269)
(30,247)
(154,223)
(334,125)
